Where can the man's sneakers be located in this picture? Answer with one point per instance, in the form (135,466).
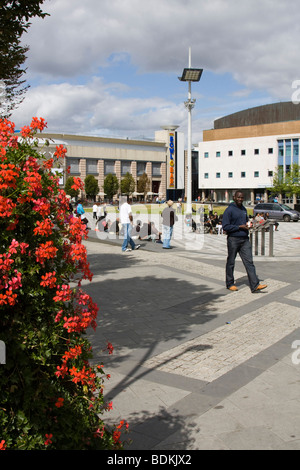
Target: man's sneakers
(233,288)
(130,249)
(260,287)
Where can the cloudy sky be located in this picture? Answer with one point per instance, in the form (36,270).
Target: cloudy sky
(111,67)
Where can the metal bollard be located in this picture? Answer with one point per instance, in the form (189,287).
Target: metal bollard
(262,230)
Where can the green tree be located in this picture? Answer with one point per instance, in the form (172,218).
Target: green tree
(68,187)
(14,21)
(91,186)
(293,180)
(111,185)
(143,185)
(127,184)
(286,183)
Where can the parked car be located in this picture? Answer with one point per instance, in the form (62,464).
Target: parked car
(277,211)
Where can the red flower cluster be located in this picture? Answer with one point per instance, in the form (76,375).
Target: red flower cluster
(49,280)
(77,183)
(45,251)
(8,176)
(43,228)
(40,239)
(2,445)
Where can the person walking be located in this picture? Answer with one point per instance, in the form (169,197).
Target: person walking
(126,220)
(95,207)
(235,224)
(168,220)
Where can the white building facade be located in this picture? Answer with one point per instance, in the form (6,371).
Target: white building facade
(247,156)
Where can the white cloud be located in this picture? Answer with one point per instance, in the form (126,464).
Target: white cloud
(257,42)
(92,108)
(252,40)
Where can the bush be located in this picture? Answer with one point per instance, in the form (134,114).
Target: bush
(51,396)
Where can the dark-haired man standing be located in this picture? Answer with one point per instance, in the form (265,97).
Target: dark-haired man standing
(235,224)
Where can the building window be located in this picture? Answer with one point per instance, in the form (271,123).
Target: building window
(288,153)
(270,173)
(156,171)
(230,174)
(243,152)
(296,151)
(218,175)
(206,176)
(280,152)
(91,167)
(243,174)
(109,167)
(125,168)
(73,163)
(256,151)
(206,154)
(256,174)
(270,151)
(230,153)
(141,168)
(218,154)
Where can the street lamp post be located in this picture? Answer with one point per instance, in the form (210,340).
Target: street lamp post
(190,75)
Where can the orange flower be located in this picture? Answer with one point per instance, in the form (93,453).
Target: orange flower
(48,439)
(59,403)
(2,445)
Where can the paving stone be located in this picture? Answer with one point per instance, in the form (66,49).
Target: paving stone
(212,385)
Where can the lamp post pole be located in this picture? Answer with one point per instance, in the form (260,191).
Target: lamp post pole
(190,75)
(189,105)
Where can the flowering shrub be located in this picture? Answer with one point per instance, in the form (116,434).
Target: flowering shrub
(51,397)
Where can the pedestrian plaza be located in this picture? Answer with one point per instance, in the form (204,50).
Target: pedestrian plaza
(196,366)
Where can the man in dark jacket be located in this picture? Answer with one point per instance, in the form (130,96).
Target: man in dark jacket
(235,224)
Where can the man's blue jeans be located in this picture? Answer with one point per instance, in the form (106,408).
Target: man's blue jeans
(127,237)
(167,235)
(242,246)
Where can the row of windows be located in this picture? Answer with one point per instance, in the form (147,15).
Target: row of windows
(243,174)
(242,152)
(109,167)
(288,152)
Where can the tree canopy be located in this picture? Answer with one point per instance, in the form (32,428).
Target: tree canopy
(286,183)
(91,186)
(111,185)
(14,21)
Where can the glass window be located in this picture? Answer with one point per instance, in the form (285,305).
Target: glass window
(288,152)
(109,167)
(218,154)
(243,174)
(256,151)
(218,175)
(230,153)
(156,169)
(91,167)
(270,173)
(125,168)
(270,150)
(73,163)
(243,152)
(280,152)
(295,151)
(141,168)
(256,174)
(206,176)
(206,154)
(230,174)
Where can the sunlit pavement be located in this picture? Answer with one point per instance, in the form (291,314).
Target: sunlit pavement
(194,365)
